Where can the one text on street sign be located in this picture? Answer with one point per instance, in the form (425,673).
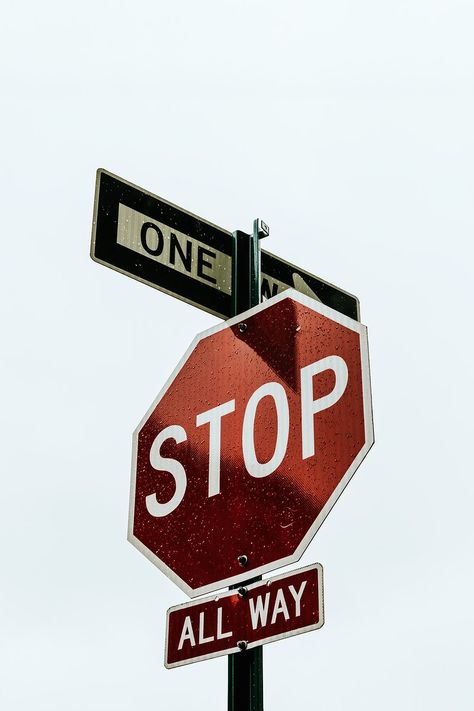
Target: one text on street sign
(263,612)
(156,242)
(250,443)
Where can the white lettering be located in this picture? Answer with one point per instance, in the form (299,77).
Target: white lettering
(214,417)
(187,633)
(167,464)
(280,607)
(202,639)
(297,597)
(254,467)
(259,610)
(220,633)
(309,406)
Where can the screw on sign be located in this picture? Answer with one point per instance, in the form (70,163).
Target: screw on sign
(249,444)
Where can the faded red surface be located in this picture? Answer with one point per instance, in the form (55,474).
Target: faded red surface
(263,518)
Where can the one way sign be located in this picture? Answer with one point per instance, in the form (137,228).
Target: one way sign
(160,244)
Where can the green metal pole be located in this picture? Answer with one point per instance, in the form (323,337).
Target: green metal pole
(245,668)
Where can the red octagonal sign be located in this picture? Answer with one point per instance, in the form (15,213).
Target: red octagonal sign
(251,441)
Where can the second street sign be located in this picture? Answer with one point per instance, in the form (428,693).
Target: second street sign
(262,612)
(143,236)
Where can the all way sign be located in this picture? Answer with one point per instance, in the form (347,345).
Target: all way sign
(241,619)
(149,239)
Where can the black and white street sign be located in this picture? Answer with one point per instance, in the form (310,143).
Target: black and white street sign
(162,245)
(150,239)
(278,275)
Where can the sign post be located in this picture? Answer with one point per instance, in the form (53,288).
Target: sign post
(245,668)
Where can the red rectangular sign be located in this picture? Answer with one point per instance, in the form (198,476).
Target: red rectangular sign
(263,612)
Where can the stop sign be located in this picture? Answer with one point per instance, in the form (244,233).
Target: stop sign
(251,441)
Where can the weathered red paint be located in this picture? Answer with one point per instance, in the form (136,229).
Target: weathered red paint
(270,519)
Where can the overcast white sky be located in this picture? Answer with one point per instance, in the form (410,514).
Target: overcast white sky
(348,127)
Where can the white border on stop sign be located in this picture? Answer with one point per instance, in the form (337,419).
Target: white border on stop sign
(369,440)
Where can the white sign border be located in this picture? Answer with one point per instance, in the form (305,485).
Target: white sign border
(318,307)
